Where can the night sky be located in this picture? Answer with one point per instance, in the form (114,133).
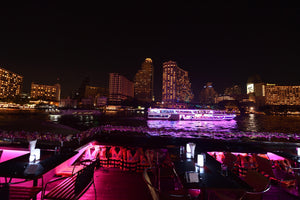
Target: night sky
(223,43)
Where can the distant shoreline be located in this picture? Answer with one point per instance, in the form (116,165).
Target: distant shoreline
(21,111)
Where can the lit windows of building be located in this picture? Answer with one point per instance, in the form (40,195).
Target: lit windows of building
(11,83)
(282,95)
(176,85)
(120,88)
(45,92)
(143,82)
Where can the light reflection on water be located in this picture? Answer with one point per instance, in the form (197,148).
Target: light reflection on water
(245,123)
(54,118)
(219,126)
(252,123)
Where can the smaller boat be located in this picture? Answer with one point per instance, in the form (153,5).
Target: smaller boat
(189,114)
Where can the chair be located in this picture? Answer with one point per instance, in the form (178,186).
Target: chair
(275,175)
(247,163)
(258,182)
(229,160)
(73,187)
(170,191)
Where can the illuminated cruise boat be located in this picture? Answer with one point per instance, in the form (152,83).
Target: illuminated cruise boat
(189,114)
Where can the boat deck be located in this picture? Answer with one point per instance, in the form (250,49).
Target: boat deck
(114,184)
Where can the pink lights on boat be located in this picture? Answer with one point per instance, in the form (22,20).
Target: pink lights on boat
(189,114)
(193,125)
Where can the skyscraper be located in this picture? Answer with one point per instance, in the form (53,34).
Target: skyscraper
(176,85)
(208,94)
(120,88)
(11,83)
(143,82)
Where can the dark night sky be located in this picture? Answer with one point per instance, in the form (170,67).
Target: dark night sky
(223,43)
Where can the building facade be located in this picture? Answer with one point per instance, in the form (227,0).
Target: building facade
(208,94)
(45,92)
(176,86)
(143,82)
(282,95)
(120,88)
(11,84)
(93,92)
(68,103)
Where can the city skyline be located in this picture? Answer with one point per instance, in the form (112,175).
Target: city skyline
(223,43)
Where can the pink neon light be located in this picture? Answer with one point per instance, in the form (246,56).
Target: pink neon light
(220,155)
(273,156)
(10,154)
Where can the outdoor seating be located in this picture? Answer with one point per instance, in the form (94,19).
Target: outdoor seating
(13,190)
(258,182)
(133,159)
(276,175)
(75,186)
(229,160)
(167,189)
(247,163)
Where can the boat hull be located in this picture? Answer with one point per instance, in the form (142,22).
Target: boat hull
(189,115)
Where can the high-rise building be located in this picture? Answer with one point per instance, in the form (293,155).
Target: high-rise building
(143,82)
(11,83)
(233,91)
(208,94)
(93,92)
(79,94)
(120,88)
(282,95)
(176,85)
(45,92)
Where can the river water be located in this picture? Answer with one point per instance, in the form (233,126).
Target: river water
(247,123)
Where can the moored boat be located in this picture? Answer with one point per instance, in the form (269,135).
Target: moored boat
(189,114)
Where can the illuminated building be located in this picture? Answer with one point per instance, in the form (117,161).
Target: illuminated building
(93,92)
(282,95)
(143,82)
(120,88)
(208,94)
(45,92)
(92,95)
(11,83)
(176,85)
(233,91)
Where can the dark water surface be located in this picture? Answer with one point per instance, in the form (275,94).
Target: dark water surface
(248,123)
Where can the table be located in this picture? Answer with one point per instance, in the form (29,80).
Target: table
(16,167)
(211,178)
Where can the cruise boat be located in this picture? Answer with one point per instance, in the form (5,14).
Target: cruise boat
(189,114)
